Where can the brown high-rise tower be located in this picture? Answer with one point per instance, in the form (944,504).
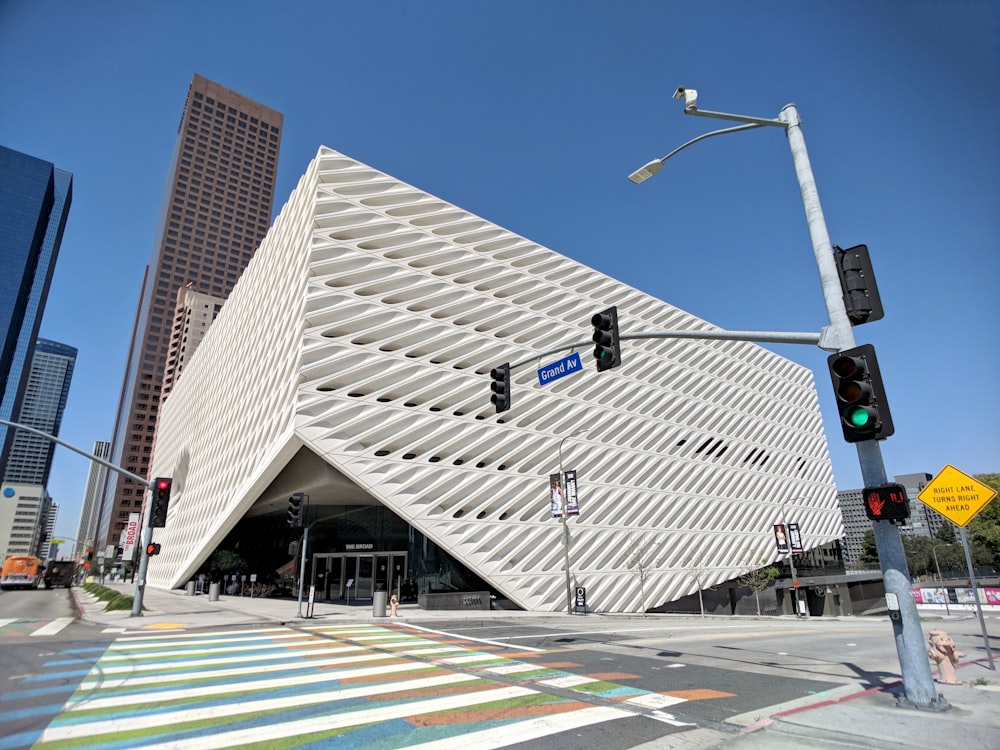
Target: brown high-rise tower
(217,209)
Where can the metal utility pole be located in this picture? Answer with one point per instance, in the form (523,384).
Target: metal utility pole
(918,682)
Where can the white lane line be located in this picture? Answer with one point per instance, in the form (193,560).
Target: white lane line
(53,627)
(446,634)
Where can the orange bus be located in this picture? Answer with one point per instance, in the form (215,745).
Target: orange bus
(21,573)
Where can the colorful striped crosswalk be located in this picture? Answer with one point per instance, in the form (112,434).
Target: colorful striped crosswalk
(351,686)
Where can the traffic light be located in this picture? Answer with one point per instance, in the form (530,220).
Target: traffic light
(295,510)
(607,351)
(500,387)
(161,499)
(864,410)
(857,282)
(153,548)
(887,502)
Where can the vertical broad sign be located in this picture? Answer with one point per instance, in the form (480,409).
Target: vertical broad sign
(572,501)
(794,538)
(131,536)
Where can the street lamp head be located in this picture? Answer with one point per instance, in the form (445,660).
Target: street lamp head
(646,171)
(690,97)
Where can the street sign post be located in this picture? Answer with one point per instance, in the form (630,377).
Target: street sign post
(956,496)
(959,497)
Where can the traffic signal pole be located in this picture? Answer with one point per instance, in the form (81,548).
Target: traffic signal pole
(918,683)
(147,536)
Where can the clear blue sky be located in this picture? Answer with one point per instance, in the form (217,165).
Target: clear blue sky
(532,114)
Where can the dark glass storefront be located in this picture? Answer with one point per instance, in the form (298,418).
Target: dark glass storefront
(352,552)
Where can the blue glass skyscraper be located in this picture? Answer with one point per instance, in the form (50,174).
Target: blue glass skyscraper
(35,199)
(42,407)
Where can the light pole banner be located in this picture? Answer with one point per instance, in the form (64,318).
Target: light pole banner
(794,537)
(780,539)
(572,502)
(130,536)
(555,495)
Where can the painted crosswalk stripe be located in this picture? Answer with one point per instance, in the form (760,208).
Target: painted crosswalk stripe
(53,627)
(88,701)
(525,730)
(305,657)
(175,718)
(312,725)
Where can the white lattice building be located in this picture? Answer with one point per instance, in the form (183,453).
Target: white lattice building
(351,363)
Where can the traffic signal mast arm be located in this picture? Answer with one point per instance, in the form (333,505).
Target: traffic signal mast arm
(764,337)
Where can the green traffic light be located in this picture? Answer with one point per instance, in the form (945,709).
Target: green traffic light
(859,417)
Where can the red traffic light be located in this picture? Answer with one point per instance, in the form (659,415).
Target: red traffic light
(162,484)
(153,548)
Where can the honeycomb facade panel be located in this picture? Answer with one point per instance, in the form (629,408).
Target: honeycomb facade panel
(363,332)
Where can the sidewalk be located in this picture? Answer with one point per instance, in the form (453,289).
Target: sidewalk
(846,716)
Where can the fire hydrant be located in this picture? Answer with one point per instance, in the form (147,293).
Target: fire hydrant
(393,603)
(942,652)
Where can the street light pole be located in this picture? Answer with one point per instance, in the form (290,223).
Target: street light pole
(918,684)
(565,526)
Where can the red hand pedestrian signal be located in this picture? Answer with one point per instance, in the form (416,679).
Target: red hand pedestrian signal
(887,502)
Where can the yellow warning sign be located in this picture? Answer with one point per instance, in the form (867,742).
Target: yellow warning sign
(956,496)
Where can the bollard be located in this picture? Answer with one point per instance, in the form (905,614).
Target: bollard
(213,591)
(190,588)
(378,604)
(942,652)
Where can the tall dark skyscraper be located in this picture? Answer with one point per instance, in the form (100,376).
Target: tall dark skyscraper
(42,407)
(217,209)
(35,198)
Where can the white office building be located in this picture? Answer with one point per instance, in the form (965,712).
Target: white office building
(351,363)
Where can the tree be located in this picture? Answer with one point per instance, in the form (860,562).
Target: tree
(697,572)
(869,550)
(638,563)
(758,576)
(223,562)
(984,529)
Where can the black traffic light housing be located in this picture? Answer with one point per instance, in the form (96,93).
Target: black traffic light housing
(607,345)
(153,548)
(161,499)
(857,282)
(500,387)
(861,401)
(296,509)
(886,502)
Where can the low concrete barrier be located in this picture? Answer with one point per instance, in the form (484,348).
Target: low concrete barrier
(455,600)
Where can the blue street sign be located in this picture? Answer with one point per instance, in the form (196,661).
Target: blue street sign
(559,369)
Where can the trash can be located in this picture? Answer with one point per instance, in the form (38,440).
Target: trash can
(190,588)
(213,591)
(378,604)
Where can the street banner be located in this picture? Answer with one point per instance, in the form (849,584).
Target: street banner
(130,537)
(572,501)
(555,496)
(794,537)
(780,539)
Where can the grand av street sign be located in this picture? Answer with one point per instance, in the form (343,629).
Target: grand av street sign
(956,496)
(560,369)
